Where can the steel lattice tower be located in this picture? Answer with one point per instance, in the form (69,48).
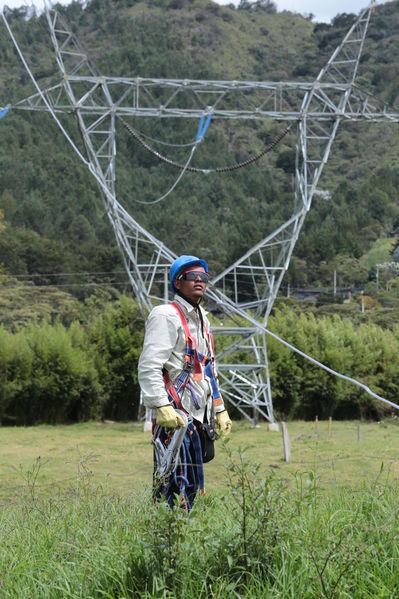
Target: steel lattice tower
(315,108)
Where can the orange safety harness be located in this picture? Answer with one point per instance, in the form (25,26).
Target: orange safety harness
(194,362)
(188,474)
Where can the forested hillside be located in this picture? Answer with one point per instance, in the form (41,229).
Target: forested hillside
(54,220)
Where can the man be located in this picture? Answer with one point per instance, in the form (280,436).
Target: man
(176,370)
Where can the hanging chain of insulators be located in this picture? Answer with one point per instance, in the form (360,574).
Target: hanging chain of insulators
(220,169)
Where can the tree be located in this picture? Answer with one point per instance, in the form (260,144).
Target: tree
(116,337)
(266,5)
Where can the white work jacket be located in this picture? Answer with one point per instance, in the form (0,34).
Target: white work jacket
(165,347)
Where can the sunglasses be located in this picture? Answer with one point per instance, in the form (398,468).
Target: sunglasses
(193,275)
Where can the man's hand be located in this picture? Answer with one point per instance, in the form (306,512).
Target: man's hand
(169,418)
(223,422)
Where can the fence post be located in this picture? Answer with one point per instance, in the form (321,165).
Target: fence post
(286,443)
(316,424)
(329,427)
(358,433)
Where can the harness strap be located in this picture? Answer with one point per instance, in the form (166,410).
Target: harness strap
(188,475)
(191,344)
(170,389)
(200,360)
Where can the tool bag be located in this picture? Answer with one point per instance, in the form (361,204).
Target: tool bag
(207,436)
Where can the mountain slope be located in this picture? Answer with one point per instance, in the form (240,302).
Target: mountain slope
(54,218)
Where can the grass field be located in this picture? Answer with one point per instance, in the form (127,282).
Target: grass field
(120,455)
(77,520)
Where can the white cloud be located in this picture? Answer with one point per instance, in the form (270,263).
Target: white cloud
(323,11)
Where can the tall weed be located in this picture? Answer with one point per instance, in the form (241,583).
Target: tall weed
(263,538)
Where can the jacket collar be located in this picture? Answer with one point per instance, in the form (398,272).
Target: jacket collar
(189,307)
(180,300)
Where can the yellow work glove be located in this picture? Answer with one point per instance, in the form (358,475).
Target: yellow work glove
(223,422)
(169,418)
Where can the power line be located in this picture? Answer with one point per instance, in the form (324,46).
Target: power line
(69,285)
(69,274)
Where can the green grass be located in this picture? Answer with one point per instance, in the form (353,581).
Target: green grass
(79,522)
(120,455)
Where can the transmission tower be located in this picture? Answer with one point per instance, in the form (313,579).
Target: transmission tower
(315,109)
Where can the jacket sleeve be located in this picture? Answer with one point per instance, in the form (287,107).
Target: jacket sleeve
(159,341)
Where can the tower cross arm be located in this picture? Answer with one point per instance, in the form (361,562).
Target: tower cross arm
(190,98)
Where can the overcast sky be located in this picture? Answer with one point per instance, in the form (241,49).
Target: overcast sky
(324,10)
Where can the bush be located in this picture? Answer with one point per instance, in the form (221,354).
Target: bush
(45,378)
(63,384)
(15,373)
(116,337)
(50,373)
(367,353)
(53,374)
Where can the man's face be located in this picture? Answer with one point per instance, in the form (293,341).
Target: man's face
(194,289)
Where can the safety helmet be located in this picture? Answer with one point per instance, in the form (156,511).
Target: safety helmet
(181,263)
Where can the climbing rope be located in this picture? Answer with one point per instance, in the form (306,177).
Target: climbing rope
(222,169)
(165,195)
(202,128)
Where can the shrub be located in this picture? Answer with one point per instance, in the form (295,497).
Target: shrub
(15,373)
(367,353)
(64,383)
(116,337)
(45,378)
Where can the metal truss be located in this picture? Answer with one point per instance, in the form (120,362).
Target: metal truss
(188,98)
(244,292)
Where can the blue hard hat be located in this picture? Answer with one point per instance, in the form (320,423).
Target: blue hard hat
(181,263)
